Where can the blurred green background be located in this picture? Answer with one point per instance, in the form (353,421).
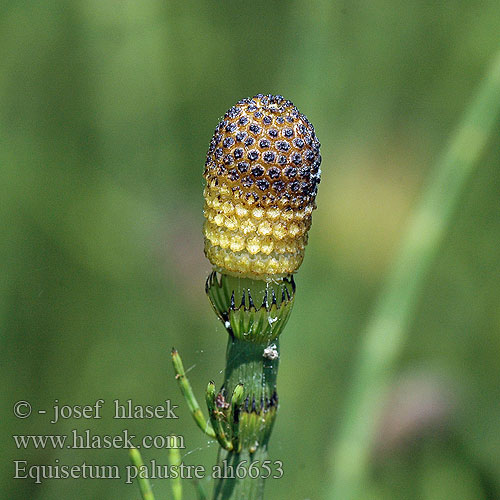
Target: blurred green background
(106,111)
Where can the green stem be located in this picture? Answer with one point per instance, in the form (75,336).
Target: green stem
(246,365)
(386,333)
(174,458)
(200,491)
(144,485)
(240,489)
(188,394)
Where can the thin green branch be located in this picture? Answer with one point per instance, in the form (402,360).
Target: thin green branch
(200,491)
(386,333)
(174,457)
(188,394)
(144,485)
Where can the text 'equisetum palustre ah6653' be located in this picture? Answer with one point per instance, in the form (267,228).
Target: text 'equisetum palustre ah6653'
(262,173)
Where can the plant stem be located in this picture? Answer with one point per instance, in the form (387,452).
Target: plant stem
(174,458)
(188,394)
(246,365)
(386,333)
(144,485)
(242,413)
(240,489)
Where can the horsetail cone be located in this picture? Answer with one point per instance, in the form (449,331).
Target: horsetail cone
(262,172)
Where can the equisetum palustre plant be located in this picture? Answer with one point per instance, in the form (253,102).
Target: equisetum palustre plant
(262,173)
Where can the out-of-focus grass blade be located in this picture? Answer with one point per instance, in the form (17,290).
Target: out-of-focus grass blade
(386,332)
